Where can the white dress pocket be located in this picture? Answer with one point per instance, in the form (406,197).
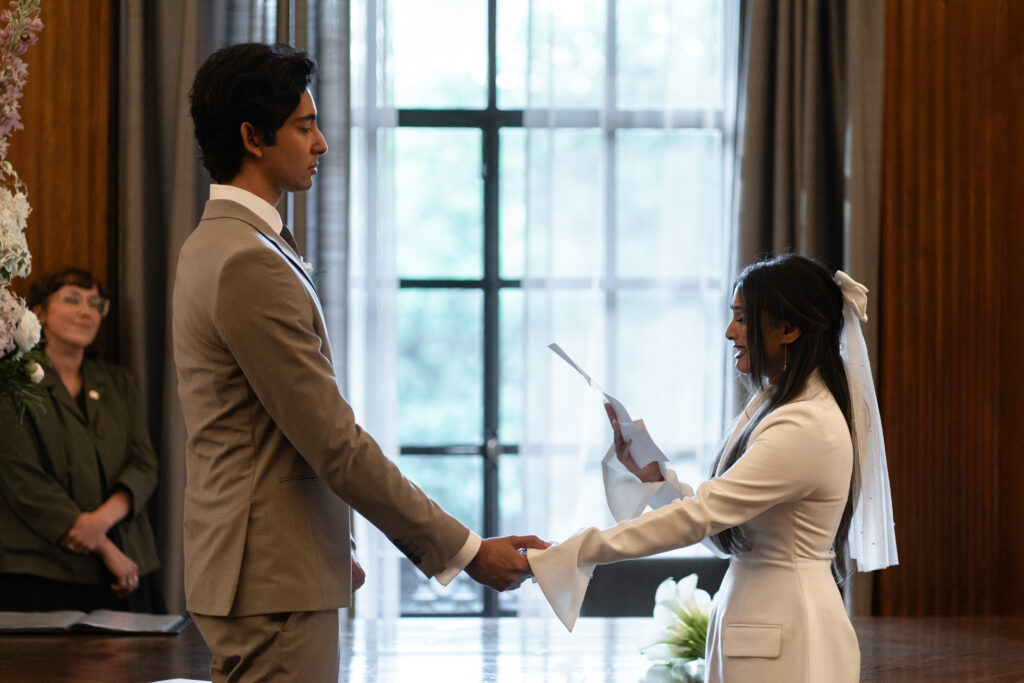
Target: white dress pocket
(752,640)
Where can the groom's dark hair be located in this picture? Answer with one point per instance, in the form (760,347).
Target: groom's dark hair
(253,82)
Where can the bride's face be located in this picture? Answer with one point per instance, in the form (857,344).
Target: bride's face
(736,332)
(774,336)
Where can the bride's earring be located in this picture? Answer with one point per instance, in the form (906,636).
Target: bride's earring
(785,357)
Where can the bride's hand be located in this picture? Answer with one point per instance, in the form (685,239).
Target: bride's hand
(649,473)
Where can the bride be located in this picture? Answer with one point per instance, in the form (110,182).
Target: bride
(785,500)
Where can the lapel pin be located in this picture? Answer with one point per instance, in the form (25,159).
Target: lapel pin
(94,395)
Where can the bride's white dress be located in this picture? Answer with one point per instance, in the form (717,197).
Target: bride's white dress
(778,615)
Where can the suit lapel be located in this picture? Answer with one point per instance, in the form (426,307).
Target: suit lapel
(224,208)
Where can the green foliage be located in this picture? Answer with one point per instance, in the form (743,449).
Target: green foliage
(15,382)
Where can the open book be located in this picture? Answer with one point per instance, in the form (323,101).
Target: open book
(101,620)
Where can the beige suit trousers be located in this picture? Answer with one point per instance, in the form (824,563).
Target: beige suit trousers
(299,647)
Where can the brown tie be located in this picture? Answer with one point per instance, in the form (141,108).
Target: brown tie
(287,235)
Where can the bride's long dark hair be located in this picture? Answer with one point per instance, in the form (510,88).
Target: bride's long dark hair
(803,293)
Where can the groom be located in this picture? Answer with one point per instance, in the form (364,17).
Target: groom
(274,456)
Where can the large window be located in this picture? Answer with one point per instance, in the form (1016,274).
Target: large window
(609,99)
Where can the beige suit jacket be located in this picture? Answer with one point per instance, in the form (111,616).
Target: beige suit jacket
(274,456)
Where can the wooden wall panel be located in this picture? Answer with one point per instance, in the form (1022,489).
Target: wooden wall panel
(63,152)
(948,329)
(1010,586)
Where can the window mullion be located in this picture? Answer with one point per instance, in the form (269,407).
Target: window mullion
(609,120)
(491,380)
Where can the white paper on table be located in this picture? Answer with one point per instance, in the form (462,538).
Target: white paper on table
(643,449)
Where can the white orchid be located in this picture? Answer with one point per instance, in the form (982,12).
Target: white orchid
(681,613)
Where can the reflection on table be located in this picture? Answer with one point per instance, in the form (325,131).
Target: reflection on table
(513,650)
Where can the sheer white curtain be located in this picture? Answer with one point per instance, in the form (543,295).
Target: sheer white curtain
(624,262)
(628,142)
(372,352)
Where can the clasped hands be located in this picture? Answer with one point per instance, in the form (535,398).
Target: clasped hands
(89,535)
(501,562)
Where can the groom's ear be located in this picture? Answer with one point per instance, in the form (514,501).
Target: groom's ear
(252,139)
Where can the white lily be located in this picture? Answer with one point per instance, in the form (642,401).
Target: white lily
(681,613)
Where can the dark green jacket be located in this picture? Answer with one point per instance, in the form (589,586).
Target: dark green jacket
(59,463)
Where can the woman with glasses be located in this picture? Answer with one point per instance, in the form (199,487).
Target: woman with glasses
(77,472)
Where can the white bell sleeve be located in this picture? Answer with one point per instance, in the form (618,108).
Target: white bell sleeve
(627,496)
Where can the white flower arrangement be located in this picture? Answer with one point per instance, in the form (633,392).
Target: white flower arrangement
(679,638)
(15,259)
(21,363)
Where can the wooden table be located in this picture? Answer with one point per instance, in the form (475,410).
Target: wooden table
(513,650)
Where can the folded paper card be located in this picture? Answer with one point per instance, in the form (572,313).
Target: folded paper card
(643,449)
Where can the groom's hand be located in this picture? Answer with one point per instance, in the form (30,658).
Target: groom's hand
(500,564)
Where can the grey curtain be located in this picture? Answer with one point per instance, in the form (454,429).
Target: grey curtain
(810,154)
(162,187)
(810,128)
(160,192)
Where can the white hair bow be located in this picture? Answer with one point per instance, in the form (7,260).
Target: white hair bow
(854,293)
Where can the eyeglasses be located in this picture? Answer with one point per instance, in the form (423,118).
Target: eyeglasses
(100,304)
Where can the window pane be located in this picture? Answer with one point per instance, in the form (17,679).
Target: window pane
(456,483)
(510,500)
(510,507)
(513,26)
(440,51)
(510,369)
(440,366)
(512,216)
(422,596)
(669,204)
(567,170)
(438,203)
(669,54)
(576,320)
(566,46)
(670,345)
